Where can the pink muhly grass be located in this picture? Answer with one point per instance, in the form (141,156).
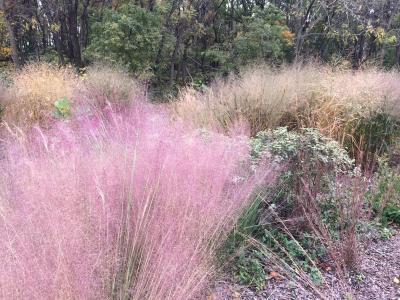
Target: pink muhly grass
(120,206)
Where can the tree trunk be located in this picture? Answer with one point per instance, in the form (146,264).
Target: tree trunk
(84,25)
(302,28)
(54,18)
(14,46)
(167,25)
(59,48)
(8,13)
(151,5)
(72,19)
(174,58)
(359,52)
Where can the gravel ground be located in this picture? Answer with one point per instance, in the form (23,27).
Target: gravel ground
(378,278)
(381,269)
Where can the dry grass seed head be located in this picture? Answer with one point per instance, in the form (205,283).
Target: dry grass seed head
(30,99)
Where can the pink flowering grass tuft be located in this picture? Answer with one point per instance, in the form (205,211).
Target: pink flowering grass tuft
(126,205)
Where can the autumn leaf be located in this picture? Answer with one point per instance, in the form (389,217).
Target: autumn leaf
(276,276)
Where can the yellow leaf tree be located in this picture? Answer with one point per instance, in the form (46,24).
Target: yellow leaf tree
(5,50)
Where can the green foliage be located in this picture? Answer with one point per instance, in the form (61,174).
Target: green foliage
(307,150)
(193,40)
(390,59)
(5,50)
(264,36)
(250,270)
(246,226)
(221,58)
(51,56)
(386,233)
(252,265)
(384,196)
(391,213)
(374,134)
(128,36)
(308,155)
(62,108)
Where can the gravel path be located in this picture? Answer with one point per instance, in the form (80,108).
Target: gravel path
(381,269)
(378,278)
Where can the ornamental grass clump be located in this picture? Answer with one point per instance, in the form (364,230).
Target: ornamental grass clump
(344,105)
(127,206)
(30,98)
(104,85)
(259,95)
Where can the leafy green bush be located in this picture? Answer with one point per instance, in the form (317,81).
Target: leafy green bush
(288,225)
(128,36)
(311,159)
(305,150)
(264,36)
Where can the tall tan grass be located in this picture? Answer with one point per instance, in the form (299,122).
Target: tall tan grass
(294,96)
(30,98)
(104,84)
(259,96)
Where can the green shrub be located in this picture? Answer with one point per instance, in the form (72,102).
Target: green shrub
(278,225)
(307,150)
(264,36)
(128,36)
(310,159)
(384,196)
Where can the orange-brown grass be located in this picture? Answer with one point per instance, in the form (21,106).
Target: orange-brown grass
(30,99)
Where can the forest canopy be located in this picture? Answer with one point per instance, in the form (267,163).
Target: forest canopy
(179,41)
